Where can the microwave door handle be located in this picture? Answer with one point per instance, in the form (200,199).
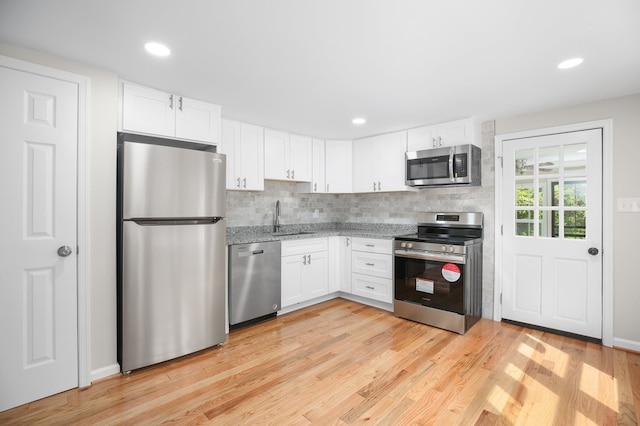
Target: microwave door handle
(452,152)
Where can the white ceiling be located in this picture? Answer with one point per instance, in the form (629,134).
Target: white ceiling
(310,66)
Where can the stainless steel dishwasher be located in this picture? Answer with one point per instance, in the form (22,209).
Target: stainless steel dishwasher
(254,282)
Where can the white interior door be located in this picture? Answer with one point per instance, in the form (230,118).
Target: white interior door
(552,236)
(38,283)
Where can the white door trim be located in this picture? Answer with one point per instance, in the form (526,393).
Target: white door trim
(607,216)
(83,218)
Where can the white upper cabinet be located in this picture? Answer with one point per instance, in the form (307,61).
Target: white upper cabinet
(244,146)
(287,157)
(300,157)
(379,163)
(338,166)
(318,173)
(459,132)
(147,110)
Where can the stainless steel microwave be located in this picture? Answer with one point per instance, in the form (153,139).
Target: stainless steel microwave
(455,165)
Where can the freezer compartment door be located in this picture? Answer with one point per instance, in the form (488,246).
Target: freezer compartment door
(170,182)
(173,291)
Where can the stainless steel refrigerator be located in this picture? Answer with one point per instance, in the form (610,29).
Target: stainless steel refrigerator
(171,249)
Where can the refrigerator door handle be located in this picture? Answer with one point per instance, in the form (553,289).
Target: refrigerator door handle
(181,221)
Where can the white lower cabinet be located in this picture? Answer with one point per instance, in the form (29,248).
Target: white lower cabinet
(340,264)
(304,269)
(371,287)
(372,269)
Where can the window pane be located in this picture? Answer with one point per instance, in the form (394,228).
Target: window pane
(575,159)
(524,193)
(524,162)
(524,223)
(547,192)
(548,160)
(575,193)
(575,224)
(549,223)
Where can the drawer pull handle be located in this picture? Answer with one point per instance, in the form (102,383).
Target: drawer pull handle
(370,245)
(369,287)
(370,264)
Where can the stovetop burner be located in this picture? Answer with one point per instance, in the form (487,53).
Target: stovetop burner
(447,228)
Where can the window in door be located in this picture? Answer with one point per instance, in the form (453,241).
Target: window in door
(550,190)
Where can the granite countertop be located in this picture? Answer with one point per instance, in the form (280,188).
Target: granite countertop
(256,234)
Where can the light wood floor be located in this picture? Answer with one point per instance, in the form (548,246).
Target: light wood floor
(342,363)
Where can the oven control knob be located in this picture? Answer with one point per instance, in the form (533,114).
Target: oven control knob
(409,245)
(443,248)
(451,249)
(403,245)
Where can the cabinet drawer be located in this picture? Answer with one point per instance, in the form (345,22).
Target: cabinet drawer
(304,246)
(375,264)
(372,287)
(372,245)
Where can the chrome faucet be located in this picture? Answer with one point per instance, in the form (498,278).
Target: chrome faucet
(276,222)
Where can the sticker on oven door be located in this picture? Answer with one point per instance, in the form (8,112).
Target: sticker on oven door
(450,272)
(424,286)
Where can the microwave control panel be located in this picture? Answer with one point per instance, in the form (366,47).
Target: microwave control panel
(460,168)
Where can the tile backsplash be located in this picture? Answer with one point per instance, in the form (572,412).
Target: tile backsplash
(258,208)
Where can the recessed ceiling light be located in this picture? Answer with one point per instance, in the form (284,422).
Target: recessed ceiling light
(570,63)
(157,49)
(359,120)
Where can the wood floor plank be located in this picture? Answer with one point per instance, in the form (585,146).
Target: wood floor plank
(343,363)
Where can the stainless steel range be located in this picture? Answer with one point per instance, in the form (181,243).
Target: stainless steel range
(438,271)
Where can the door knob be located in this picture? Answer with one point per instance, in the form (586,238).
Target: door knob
(64,251)
(593,251)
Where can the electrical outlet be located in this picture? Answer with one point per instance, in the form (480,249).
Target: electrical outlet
(629,205)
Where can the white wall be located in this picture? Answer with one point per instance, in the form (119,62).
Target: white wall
(101,152)
(625,113)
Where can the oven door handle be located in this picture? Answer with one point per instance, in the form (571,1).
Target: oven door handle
(437,257)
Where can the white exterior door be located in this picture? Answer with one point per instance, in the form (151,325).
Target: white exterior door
(38,286)
(552,235)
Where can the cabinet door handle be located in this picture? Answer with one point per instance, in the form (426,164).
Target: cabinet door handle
(304,259)
(244,181)
(309,260)
(315,187)
(288,174)
(439,141)
(433,139)
(180,103)
(238,182)
(348,241)
(374,186)
(171,101)
(293,174)
(379,186)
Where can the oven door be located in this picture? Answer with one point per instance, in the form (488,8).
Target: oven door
(430,279)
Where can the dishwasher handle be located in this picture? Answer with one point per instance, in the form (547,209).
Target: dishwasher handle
(247,253)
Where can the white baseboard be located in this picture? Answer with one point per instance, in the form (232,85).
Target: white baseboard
(626,344)
(103,372)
